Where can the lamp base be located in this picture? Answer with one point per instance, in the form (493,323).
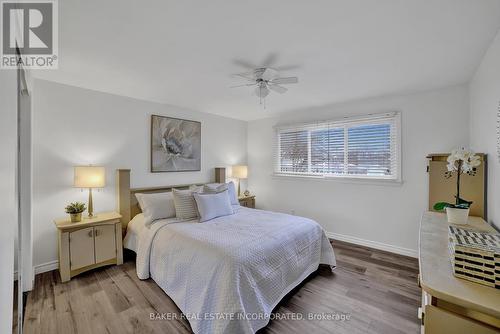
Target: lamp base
(91,205)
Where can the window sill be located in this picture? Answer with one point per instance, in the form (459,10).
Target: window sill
(341,179)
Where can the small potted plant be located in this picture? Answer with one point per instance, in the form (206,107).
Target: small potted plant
(460,162)
(75,211)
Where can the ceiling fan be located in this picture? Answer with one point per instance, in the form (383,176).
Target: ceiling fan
(265,78)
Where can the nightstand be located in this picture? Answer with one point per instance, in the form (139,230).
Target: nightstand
(92,243)
(247,201)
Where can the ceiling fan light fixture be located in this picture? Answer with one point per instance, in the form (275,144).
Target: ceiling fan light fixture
(265,79)
(262,91)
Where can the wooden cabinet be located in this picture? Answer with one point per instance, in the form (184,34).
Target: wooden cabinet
(89,244)
(247,201)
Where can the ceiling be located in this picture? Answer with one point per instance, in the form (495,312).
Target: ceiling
(183,52)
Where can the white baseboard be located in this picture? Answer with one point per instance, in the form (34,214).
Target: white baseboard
(373,244)
(44,267)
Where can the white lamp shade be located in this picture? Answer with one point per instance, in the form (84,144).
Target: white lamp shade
(262,91)
(240,172)
(89,177)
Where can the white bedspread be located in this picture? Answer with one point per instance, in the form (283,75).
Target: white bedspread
(226,275)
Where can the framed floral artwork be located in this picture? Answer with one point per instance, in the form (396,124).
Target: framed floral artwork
(175,144)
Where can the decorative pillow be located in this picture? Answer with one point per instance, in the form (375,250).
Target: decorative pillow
(185,206)
(156,206)
(218,187)
(195,188)
(214,188)
(211,206)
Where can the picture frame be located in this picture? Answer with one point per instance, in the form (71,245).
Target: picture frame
(175,145)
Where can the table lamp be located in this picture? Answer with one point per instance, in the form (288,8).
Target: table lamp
(89,177)
(240,172)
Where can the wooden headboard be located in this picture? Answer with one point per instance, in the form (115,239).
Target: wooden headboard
(127,204)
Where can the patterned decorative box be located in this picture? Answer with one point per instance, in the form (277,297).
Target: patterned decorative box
(475,255)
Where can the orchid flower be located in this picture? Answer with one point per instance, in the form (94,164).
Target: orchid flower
(460,161)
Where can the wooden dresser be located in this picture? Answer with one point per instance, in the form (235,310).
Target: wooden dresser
(450,304)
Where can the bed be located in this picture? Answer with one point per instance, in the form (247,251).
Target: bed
(226,275)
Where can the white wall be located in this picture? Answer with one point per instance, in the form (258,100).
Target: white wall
(74,126)
(382,214)
(484,104)
(8,123)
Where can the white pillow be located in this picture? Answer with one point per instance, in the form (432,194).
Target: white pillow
(156,206)
(211,206)
(185,206)
(217,187)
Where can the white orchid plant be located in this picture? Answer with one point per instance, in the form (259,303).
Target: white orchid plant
(460,161)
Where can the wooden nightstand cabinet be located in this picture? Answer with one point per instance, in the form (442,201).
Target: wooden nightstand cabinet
(91,243)
(247,201)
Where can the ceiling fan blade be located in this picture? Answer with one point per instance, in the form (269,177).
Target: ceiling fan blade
(286,67)
(270,59)
(249,75)
(278,88)
(243,85)
(288,80)
(244,63)
(269,74)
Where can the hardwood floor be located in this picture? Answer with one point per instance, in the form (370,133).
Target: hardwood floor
(376,289)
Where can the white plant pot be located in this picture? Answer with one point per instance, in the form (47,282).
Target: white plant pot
(457,216)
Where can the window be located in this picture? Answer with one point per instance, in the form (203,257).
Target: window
(367,147)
